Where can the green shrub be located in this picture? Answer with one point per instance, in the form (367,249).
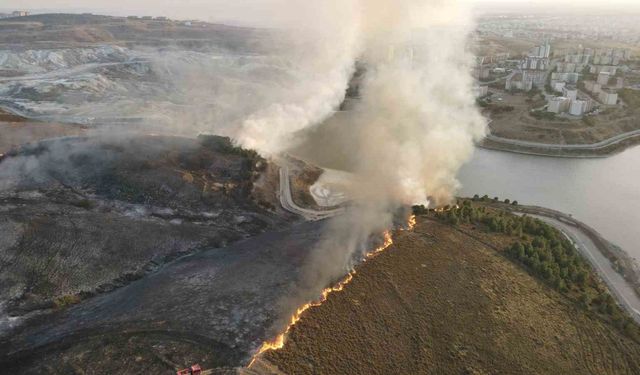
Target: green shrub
(546,254)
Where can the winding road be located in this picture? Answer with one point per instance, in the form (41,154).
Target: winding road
(587,147)
(286,200)
(584,239)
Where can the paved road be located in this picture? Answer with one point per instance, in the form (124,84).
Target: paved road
(590,147)
(286,200)
(620,288)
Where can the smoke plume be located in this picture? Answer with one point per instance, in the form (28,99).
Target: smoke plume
(412,128)
(416,121)
(278,90)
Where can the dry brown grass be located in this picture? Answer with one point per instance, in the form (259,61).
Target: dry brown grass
(17,131)
(440,302)
(518,124)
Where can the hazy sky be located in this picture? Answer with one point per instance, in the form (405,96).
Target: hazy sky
(255,11)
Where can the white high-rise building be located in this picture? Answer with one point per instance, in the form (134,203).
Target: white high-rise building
(608,97)
(603,78)
(592,86)
(578,107)
(558,104)
(570,92)
(557,86)
(543,51)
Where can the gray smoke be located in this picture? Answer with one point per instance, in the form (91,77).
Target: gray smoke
(289,78)
(405,140)
(412,129)
(416,122)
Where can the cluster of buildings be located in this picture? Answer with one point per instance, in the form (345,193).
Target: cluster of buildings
(610,56)
(573,79)
(606,27)
(17,13)
(570,103)
(148,18)
(532,70)
(605,87)
(602,65)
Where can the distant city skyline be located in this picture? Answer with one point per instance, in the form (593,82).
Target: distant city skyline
(259,12)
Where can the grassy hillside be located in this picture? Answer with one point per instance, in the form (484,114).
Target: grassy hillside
(442,302)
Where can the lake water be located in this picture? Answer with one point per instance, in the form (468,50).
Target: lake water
(603,193)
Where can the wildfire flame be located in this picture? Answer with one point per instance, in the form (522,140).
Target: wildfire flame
(412,222)
(278,342)
(442,209)
(388,241)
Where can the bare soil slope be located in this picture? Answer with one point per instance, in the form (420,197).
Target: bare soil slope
(17,131)
(439,302)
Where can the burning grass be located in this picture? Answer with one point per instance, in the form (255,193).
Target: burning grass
(445,303)
(279,341)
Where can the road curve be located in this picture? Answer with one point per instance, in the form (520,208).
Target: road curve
(584,238)
(567,147)
(286,200)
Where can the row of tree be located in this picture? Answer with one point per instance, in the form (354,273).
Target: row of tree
(545,253)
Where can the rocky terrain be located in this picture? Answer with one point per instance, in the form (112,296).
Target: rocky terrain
(96,70)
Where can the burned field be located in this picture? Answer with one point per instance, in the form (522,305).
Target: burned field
(81,216)
(441,302)
(125,245)
(212,308)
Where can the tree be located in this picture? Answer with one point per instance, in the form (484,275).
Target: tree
(581,277)
(584,300)
(419,210)
(517,250)
(452,217)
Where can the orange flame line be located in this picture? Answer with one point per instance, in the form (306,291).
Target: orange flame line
(278,342)
(442,209)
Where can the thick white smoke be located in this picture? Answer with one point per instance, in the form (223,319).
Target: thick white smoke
(417,119)
(323,35)
(279,81)
(412,129)
(416,122)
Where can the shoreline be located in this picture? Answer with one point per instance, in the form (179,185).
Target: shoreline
(599,150)
(611,253)
(602,149)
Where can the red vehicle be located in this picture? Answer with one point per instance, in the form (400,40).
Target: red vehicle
(193,370)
